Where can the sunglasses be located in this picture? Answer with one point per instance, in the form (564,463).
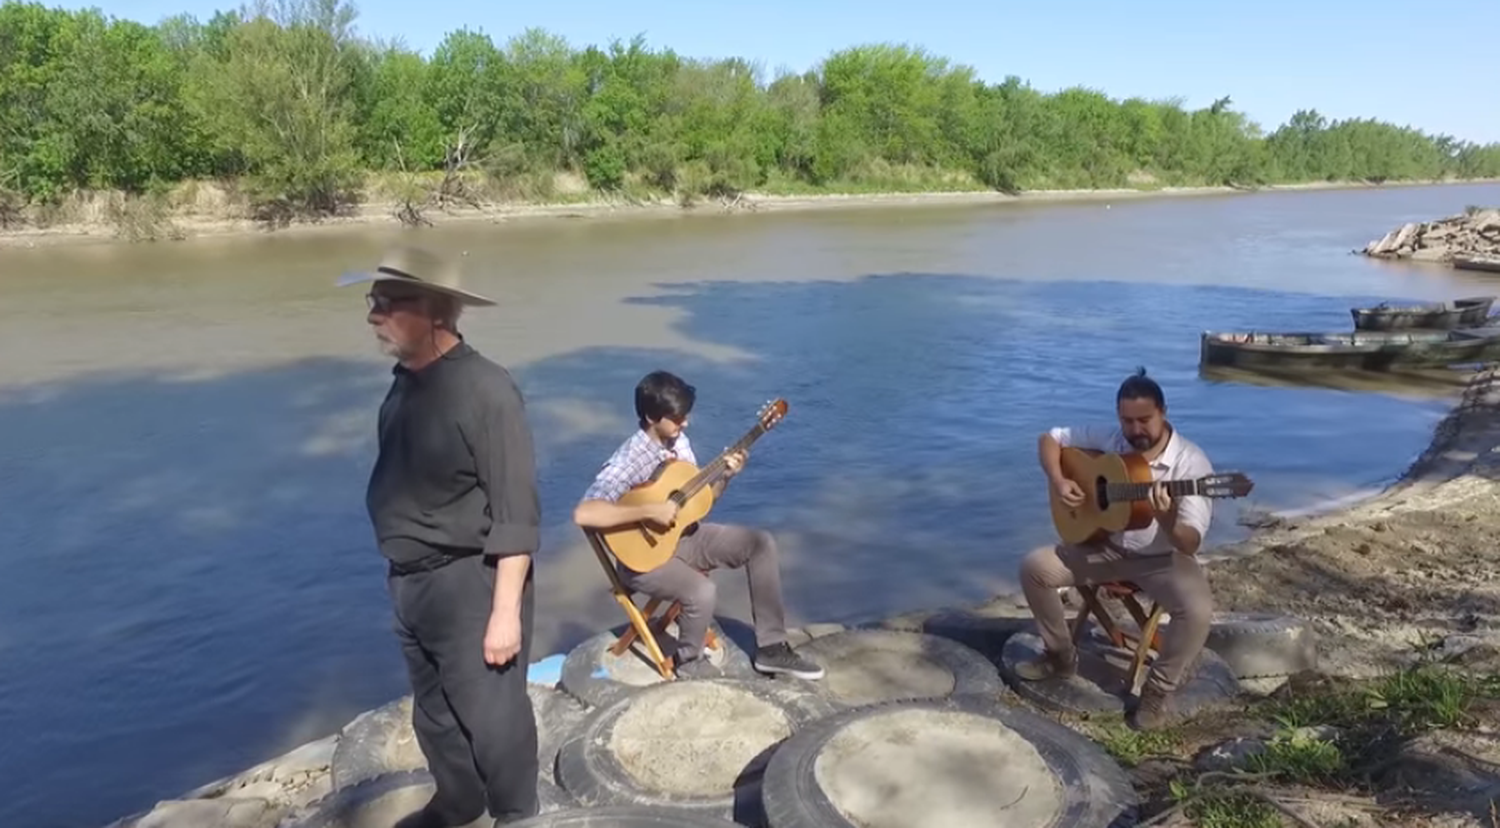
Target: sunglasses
(383,302)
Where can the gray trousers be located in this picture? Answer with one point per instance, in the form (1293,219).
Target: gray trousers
(1174,580)
(474,722)
(684,578)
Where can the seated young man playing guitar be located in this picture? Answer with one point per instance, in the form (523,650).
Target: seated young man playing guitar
(662,405)
(1159,558)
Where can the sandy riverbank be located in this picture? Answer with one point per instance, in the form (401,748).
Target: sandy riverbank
(209,213)
(1412,567)
(1406,575)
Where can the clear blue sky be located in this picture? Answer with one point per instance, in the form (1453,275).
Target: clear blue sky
(1377,58)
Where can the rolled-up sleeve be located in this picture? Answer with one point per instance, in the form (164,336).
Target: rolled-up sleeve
(505,463)
(1196,511)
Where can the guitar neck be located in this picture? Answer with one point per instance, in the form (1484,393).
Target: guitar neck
(1140,491)
(719,466)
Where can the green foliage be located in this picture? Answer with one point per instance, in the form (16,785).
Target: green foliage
(1409,701)
(1299,756)
(1225,809)
(1132,747)
(279,98)
(283,96)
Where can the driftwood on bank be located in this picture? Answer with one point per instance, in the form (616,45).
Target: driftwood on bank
(1472,238)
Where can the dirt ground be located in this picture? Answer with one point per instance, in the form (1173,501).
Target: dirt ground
(1417,568)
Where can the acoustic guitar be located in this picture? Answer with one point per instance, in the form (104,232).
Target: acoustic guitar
(644,547)
(1117,493)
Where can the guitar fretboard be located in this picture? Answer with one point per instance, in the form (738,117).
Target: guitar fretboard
(710,474)
(1141,491)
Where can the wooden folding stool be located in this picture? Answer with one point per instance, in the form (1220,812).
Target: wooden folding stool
(1139,644)
(642,625)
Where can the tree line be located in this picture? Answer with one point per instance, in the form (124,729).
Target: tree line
(283,99)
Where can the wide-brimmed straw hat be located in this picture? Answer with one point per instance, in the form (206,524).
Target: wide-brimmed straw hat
(419,268)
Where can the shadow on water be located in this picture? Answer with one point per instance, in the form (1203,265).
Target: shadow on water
(191,585)
(184,573)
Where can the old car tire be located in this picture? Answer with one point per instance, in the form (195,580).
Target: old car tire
(1254,644)
(340,808)
(381,741)
(588,672)
(589,770)
(1098,686)
(1094,791)
(1263,645)
(862,652)
(624,816)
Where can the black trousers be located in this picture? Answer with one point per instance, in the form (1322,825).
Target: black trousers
(474,722)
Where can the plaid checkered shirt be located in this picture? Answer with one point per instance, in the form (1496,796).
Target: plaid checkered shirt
(632,464)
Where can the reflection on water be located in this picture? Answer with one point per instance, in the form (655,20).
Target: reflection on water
(1433,383)
(191,585)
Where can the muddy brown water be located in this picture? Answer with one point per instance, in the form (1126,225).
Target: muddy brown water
(190,583)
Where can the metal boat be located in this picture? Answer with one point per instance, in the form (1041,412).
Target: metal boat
(1472,312)
(1365,350)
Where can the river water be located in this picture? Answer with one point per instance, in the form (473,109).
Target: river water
(185,429)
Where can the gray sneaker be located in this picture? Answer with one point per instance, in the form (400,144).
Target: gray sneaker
(780,658)
(698,668)
(1049,665)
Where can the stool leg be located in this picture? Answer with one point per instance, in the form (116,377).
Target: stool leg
(668,617)
(638,622)
(1091,601)
(1136,611)
(1144,646)
(1075,624)
(628,637)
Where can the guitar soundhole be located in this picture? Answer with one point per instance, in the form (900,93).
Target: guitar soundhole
(1101,493)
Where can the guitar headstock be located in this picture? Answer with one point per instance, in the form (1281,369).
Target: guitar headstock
(1226,484)
(771,413)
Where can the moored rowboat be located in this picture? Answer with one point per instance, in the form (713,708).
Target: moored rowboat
(1460,313)
(1490,264)
(1365,350)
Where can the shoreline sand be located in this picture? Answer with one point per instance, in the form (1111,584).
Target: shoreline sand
(192,225)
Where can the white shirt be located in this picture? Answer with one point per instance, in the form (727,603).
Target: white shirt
(1180,460)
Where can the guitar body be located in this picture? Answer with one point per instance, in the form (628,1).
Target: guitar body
(1096,517)
(643,547)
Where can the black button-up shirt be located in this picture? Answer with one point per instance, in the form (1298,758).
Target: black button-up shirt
(456,470)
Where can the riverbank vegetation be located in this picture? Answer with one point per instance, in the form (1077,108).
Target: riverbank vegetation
(1324,752)
(283,111)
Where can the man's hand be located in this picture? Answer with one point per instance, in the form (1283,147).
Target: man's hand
(1068,491)
(736,461)
(502,638)
(1162,507)
(662,514)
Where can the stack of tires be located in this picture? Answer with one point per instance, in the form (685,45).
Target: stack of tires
(906,729)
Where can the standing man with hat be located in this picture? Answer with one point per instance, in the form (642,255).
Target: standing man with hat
(454,504)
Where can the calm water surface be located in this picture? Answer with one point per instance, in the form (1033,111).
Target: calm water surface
(185,432)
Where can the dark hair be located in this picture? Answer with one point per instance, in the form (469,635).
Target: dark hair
(662,394)
(1138,386)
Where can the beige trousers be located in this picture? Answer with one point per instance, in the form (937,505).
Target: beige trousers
(1174,580)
